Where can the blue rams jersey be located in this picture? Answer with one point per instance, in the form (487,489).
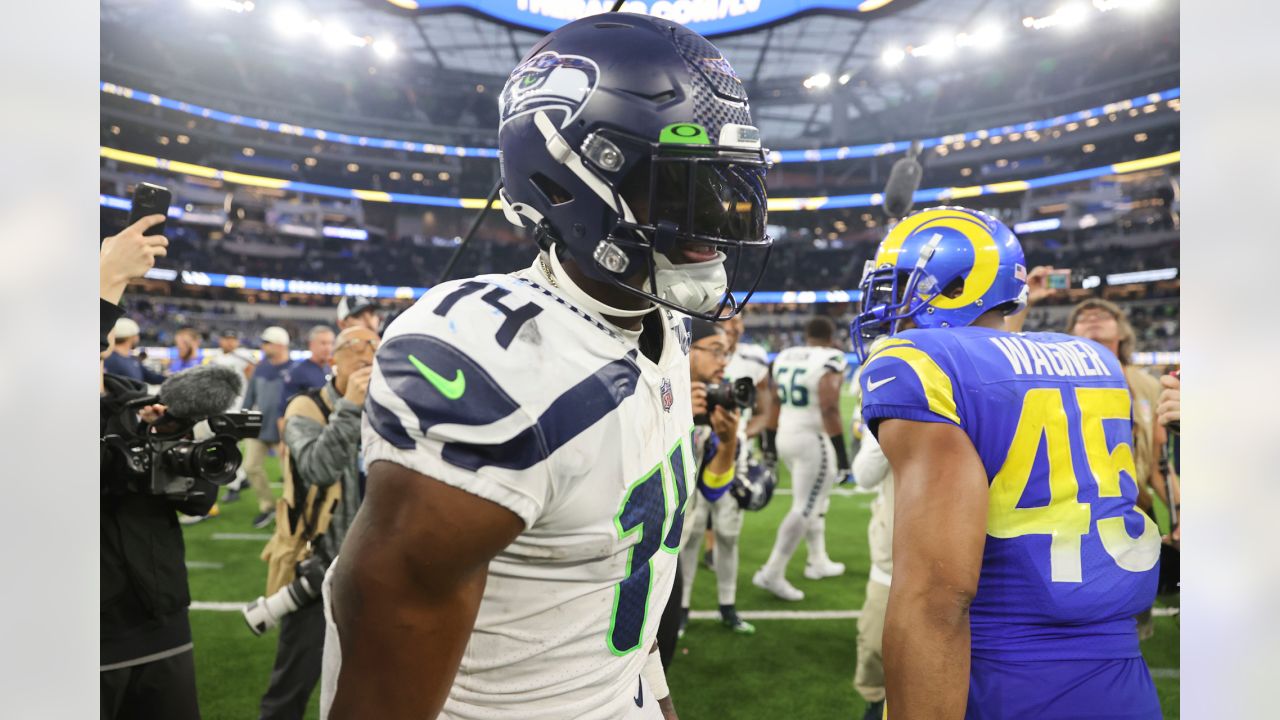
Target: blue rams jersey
(1069,558)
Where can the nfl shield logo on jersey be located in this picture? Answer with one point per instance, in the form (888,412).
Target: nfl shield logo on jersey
(667,396)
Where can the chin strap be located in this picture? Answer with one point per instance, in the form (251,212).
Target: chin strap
(580,296)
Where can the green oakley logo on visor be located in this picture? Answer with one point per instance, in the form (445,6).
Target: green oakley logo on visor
(684,134)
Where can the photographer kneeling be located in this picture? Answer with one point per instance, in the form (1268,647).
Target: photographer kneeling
(323,486)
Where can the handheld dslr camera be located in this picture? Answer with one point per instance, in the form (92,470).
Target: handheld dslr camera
(739,394)
(169,456)
(267,611)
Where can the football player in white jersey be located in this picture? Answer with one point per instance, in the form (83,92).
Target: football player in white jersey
(527,435)
(750,360)
(810,438)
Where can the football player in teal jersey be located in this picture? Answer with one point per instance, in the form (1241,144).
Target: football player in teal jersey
(1020,557)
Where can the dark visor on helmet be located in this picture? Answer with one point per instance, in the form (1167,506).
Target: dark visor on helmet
(708,199)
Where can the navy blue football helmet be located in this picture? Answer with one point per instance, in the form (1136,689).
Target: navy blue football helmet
(754,488)
(627,144)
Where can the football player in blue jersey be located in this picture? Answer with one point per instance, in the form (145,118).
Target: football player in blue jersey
(1020,557)
(528,434)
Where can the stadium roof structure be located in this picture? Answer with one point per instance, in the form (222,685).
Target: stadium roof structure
(812,79)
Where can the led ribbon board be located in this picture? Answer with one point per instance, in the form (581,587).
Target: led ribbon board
(820,202)
(706,17)
(845,152)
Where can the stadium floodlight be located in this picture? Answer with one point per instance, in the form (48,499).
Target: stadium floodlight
(893,57)
(235,6)
(337,36)
(1109,5)
(818,81)
(845,78)
(940,47)
(290,22)
(1071,16)
(385,48)
(987,37)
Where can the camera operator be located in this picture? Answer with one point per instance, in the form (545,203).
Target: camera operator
(146,664)
(323,485)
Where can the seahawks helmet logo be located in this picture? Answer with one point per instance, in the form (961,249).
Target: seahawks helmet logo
(549,81)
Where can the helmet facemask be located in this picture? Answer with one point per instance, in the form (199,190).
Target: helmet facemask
(891,295)
(681,201)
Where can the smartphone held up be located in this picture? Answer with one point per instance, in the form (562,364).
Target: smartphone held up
(150,199)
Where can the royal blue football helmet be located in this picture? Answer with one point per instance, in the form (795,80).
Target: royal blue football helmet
(925,259)
(753,488)
(627,145)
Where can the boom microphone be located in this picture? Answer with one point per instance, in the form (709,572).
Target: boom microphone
(202,391)
(904,180)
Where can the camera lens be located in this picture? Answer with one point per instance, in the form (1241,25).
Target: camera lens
(216,460)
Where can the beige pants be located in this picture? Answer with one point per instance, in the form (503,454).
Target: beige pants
(255,456)
(868,679)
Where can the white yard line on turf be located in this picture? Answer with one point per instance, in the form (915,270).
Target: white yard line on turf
(217,606)
(781,614)
(201,565)
(838,492)
(241,536)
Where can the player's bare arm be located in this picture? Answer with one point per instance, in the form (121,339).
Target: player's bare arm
(415,583)
(766,404)
(940,524)
(829,403)
(770,415)
(725,425)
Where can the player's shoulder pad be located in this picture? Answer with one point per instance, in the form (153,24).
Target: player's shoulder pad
(754,352)
(911,376)
(489,309)
(449,360)
(835,361)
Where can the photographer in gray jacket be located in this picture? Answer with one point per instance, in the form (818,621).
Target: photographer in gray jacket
(323,486)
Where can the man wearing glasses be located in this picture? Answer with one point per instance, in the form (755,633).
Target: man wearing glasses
(715,437)
(324,484)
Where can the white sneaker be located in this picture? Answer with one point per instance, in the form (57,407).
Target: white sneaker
(825,569)
(777,586)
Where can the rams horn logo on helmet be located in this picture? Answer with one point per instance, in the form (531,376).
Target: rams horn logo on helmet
(549,81)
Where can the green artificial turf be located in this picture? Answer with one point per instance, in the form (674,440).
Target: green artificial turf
(788,669)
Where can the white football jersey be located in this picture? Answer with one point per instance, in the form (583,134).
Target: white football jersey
(749,360)
(796,372)
(499,386)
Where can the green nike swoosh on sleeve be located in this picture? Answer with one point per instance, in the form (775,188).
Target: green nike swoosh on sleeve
(451,389)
